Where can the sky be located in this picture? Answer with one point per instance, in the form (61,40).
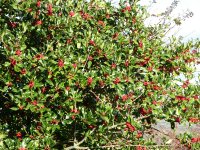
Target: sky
(189,29)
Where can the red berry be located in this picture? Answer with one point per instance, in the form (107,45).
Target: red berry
(18,52)
(154,102)
(38,4)
(54,121)
(124,97)
(116,81)
(91,126)
(68,41)
(29,10)
(92,43)
(60,63)
(143,111)
(194,51)
(178,119)
(107,16)
(133,20)
(196,97)
(38,12)
(194,120)
(13,62)
(23,71)
(128,8)
(101,23)
(85,16)
(18,134)
(49,9)
(106,75)
(155,87)
(101,84)
(39,56)
(71,13)
(139,134)
(140,44)
(115,36)
(74,65)
(21,107)
(150,93)
(182,98)
(194,140)
(22,148)
(12,24)
(9,84)
(60,14)
(31,84)
(38,22)
(113,66)
(75,111)
(67,88)
(116,97)
(146,83)
(150,69)
(31,136)
(34,103)
(130,127)
(140,148)
(89,81)
(43,90)
(90,58)
(126,63)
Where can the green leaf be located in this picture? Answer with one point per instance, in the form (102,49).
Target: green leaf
(14,108)
(89,64)
(78,45)
(7,64)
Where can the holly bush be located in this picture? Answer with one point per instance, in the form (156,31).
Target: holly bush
(76,74)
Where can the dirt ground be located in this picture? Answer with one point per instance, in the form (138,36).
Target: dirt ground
(163,130)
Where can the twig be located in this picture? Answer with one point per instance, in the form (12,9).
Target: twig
(139,95)
(76,145)
(95,94)
(112,146)
(116,125)
(143,117)
(169,29)
(123,123)
(79,143)
(86,60)
(160,131)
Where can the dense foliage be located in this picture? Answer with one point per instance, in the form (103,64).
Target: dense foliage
(87,74)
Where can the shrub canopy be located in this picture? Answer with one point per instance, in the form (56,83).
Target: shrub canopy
(87,74)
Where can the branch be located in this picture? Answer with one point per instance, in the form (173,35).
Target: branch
(76,145)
